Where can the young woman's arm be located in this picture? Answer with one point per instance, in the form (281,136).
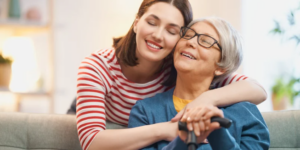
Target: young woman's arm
(234,89)
(245,90)
(92,87)
(237,88)
(128,139)
(140,135)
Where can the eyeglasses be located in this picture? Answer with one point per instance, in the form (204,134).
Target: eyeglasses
(203,39)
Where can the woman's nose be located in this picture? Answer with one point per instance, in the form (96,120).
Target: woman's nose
(192,42)
(158,35)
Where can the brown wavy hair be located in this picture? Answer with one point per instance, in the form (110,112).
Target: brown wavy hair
(126,46)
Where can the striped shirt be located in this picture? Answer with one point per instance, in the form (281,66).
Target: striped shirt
(104,93)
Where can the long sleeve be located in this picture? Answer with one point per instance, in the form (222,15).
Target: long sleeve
(221,139)
(90,106)
(252,131)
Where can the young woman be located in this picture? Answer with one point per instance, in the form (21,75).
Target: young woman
(209,49)
(110,81)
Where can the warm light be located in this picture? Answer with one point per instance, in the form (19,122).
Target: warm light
(25,73)
(8,102)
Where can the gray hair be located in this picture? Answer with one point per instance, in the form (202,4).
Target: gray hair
(231,43)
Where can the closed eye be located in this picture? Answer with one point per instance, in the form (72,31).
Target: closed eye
(152,23)
(173,31)
(205,41)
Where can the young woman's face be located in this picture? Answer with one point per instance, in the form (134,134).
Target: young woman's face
(190,57)
(157,31)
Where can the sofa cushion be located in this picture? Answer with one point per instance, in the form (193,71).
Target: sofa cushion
(21,131)
(284,127)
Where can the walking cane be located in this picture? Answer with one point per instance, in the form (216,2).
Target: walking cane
(191,140)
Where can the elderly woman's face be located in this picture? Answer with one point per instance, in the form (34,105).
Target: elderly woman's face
(191,57)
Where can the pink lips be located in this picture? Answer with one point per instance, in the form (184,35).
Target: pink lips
(156,44)
(152,48)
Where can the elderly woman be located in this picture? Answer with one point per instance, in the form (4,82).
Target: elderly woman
(208,51)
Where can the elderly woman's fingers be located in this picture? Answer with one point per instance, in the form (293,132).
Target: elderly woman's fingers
(216,112)
(202,126)
(206,124)
(198,118)
(205,120)
(203,135)
(193,115)
(196,127)
(205,115)
(200,113)
(190,119)
(185,115)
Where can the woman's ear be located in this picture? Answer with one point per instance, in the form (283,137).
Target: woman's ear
(135,24)
(219,72)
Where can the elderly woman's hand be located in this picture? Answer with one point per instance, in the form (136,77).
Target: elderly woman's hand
(198,120)
(202,138)
(204,100)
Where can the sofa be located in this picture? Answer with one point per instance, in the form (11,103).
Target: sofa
(22,131)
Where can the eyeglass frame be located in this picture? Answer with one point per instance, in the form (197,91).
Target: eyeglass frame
(198,36)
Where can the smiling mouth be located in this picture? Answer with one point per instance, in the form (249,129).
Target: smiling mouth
(188,56)
(153,46)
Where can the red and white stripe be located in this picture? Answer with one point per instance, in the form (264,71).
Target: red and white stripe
(103,92)
(231,79)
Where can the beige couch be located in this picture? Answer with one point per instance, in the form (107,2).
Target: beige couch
(20,131)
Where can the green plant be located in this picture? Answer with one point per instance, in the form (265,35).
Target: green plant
(5,60)
(281,88)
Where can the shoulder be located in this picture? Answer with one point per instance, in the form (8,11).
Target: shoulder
(105,52)
(157,100)
(245,111)
(241,107)
(153,110)
(99,59)
(156,105)
(101,56)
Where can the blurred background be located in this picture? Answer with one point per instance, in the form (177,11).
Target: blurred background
(42,43)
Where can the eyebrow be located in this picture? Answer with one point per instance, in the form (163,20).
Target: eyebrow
(171,24)
(201,33)
(204,33)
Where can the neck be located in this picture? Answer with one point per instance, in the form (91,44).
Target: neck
(188,87)
(144,72)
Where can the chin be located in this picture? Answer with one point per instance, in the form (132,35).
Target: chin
(152,57)
(180,67)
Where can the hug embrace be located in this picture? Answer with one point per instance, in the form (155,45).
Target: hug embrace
(184,71)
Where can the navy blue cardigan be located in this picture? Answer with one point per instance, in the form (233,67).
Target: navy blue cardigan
(248,130)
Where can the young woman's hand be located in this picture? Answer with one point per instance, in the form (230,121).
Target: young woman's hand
(198,120)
